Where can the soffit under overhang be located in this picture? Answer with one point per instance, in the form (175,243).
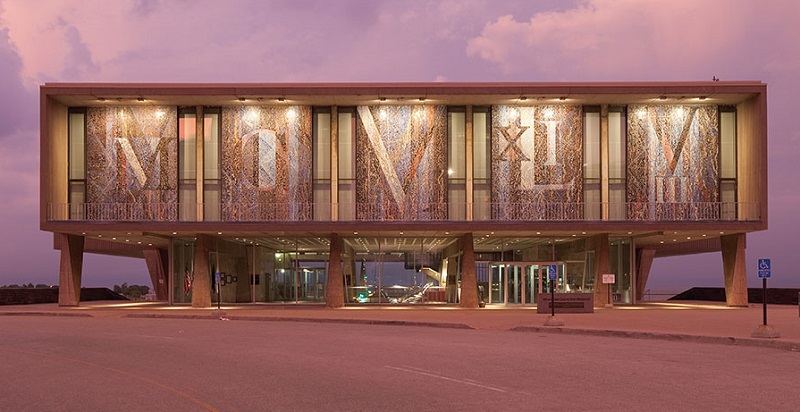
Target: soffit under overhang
(451,94)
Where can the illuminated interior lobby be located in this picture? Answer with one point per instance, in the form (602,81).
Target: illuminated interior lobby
(402,193)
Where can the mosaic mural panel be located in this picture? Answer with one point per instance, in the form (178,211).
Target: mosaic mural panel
(132,162)
(673,161)
(537,162)
(266,163)
(401,162)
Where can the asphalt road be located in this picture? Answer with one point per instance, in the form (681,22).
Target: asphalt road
(101,364)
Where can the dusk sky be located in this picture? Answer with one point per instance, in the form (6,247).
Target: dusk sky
(409,40)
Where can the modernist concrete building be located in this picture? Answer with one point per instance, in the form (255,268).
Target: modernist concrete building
(358,193)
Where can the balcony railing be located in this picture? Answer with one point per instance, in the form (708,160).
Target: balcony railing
(327,212)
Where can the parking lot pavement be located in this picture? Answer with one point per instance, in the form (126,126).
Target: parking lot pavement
(714,322)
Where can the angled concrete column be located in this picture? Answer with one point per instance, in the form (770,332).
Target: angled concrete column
(335,296)
(69,275)
(158,264)
(602,264)
(644,260)
(469,280)
(734,267)
(201,285)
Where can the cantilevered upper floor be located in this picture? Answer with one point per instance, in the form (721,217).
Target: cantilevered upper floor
(555,156)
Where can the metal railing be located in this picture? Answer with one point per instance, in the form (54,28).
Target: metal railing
(328,212)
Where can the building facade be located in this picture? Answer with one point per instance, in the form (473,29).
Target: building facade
(402,193)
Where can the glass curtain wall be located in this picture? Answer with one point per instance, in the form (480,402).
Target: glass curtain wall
(727,128)
(456,164)
(617,160)
(620,253)
(187,164)
(591,160)
(77,165)
(211,167)
(384,275)
(182,270)
(251,272)
(481,163)
(321,165)
(347,174)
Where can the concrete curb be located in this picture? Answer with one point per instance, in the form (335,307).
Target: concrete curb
(59,314)
(675,337)
(307,320)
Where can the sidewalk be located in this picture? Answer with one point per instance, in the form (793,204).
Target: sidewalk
(685,321)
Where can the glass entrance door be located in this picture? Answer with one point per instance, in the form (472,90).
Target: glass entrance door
(520,283)
(515,286)
(312,284)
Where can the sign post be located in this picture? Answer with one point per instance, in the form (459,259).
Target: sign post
(608,280)
(764,272)
(552,277)
(552,272)
(764,330)
(218,279)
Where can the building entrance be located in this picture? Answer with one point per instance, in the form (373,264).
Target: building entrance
(520,283)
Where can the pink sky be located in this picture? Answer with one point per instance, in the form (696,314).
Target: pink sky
(411,40)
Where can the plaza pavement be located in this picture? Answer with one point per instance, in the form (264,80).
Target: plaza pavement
(703,322)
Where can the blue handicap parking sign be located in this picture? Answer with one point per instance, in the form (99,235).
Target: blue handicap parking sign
(764,268)
(552,272)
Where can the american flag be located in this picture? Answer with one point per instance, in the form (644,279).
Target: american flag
(187,282)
